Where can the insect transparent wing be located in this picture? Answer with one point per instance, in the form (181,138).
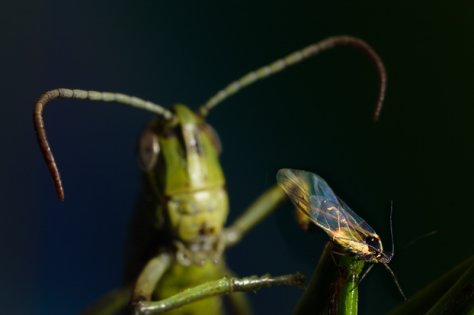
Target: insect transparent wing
(296,185)
(305,183)
(327,214)
(354,220)
(339,217)
(312,195)
(302,188)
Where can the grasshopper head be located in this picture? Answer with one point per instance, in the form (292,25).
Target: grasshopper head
(181,159)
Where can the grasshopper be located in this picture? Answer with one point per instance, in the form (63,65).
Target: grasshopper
(187,203)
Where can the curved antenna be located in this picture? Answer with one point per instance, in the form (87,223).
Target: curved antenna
(297,57)
(82,95)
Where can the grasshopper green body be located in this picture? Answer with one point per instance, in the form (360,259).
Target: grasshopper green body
(181,160)
(181,267)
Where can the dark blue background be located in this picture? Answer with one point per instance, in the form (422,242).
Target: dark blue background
(58,257)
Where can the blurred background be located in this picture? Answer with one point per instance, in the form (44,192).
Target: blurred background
(58,257)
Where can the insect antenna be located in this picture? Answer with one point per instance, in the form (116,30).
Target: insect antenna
(297,57)
(419,238)
(391,231)
(396,281)
(82,94)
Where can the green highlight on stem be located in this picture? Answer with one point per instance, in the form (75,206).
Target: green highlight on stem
(333,288)
(346,294)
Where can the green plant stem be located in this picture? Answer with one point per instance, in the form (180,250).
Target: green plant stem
(346,293)
(333,287)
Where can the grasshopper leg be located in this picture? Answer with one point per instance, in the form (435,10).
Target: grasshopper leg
(118,299)
(225,285)
(257,211)
(238,300)
(149,277)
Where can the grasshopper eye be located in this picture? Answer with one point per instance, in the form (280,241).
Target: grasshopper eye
(148,150)
(216,141)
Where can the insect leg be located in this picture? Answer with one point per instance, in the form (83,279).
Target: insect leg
(334,252)
(266,203)
(396,281)
(224,285)
(365,274)
(238,300)
(149,277)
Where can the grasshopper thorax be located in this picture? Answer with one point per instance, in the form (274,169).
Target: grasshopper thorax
(181,160)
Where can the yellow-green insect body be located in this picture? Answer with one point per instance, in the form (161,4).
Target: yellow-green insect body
(181,159)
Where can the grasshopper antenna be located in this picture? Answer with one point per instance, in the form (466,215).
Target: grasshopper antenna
(82,95)
(295,58)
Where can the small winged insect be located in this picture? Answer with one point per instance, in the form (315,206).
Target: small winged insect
(316,200)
